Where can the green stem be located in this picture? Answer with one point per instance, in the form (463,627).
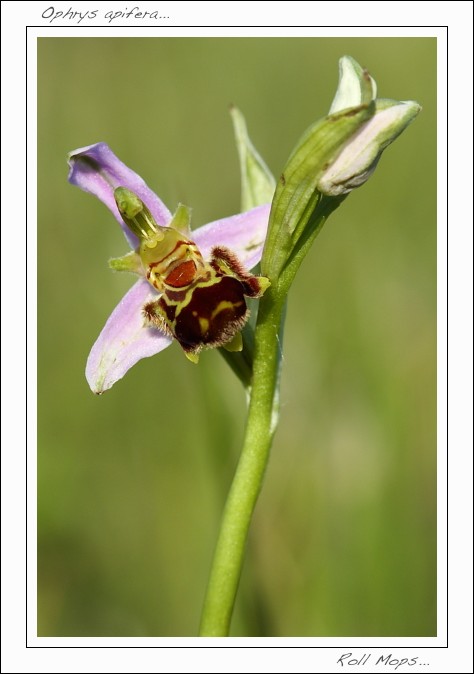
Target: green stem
(261,421)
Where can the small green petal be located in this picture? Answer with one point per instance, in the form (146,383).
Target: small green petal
(355,86)
(130,262)
(258,184)
(182,220)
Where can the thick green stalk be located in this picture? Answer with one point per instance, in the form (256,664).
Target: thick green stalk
(230,549)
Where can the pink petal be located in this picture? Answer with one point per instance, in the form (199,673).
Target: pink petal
(244,234)
(96,169)
(124,340)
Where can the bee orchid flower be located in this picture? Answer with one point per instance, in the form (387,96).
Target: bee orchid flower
(191,287)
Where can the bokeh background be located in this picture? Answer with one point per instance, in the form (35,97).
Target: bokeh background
(131,485)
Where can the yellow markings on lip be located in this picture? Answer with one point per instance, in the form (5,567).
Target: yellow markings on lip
(222,306)
(183,303)
(204,325)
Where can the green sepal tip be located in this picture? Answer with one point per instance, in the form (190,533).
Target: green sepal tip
(181,220)
(130,262)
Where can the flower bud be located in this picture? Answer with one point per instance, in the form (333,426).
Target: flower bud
(360,154)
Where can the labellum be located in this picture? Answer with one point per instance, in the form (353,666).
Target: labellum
(202,303)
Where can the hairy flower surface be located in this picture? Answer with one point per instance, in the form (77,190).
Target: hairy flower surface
(218,254)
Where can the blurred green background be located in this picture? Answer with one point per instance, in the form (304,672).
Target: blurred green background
(131,485)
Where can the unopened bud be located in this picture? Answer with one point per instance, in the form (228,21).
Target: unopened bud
(360,154)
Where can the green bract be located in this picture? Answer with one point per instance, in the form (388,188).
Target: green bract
(258,184)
